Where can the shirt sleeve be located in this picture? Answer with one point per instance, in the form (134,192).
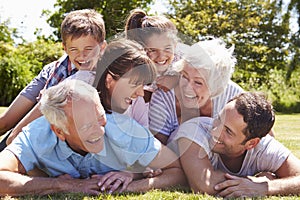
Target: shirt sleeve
(130,141)
(29,145)
(197,130)
(162,112)
(271,155)
(32,90)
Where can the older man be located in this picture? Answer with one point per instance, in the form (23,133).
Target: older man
(70,146)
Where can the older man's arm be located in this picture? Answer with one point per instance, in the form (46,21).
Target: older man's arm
(172,173)
(13,182)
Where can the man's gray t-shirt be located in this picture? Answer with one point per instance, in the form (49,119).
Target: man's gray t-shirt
(267,156)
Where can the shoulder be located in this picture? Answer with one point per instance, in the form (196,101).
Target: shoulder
(39,134)
(35,137)
(196,130)
(232,86)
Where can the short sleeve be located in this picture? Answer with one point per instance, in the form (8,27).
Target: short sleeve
(30,144)
(130,141)
(32,90)
(197,130)
(162,112)
(272,154)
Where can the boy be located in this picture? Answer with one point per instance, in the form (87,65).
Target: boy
(83,39)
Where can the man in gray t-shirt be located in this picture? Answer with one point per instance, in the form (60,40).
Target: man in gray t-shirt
(224,156)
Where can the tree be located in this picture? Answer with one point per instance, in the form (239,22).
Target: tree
(114,12)
(254,27)
(294,5)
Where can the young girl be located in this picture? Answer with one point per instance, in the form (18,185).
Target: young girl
(158,35)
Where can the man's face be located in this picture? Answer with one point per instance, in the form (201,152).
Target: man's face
(84,51)
(228,138)
(86,121)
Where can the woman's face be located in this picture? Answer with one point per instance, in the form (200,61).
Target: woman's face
(161,49)
(193,87)
(122,93)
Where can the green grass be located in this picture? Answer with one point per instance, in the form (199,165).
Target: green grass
(287,131)
(2,109)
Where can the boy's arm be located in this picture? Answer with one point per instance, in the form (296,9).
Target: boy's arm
(14,113)
(13,182)
(32,115)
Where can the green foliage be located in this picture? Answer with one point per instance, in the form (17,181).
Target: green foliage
(6,33)
(19,65)
(114,12)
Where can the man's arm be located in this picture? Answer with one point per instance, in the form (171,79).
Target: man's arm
(287,183)
(172,173)
(13,182)
(198,168)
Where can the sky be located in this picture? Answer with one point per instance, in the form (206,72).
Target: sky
(26,17)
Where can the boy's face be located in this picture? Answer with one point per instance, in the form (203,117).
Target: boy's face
(84,51)
(161,49)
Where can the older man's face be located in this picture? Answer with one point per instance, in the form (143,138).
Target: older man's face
(86,126)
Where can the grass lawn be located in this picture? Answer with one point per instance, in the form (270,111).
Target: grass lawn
(287,131)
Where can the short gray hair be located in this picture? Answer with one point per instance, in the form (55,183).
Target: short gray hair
(212,56)
(55,98)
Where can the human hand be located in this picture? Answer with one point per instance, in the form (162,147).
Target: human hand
(263,176)
(167,82)
(112,181)
(241,187)
(150,173)
(65,176)
(12,135)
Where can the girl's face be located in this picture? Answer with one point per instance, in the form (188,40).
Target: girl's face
(84,51)
(161,49)
(122,93)
(194,90)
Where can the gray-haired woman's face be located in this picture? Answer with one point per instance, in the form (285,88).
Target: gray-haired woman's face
(194,89)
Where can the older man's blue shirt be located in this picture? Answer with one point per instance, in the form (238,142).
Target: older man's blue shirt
(125,144)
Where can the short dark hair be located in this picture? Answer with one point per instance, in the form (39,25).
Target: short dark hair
(83,22)
(257,113)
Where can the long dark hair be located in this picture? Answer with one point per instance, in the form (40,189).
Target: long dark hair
(123,58)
